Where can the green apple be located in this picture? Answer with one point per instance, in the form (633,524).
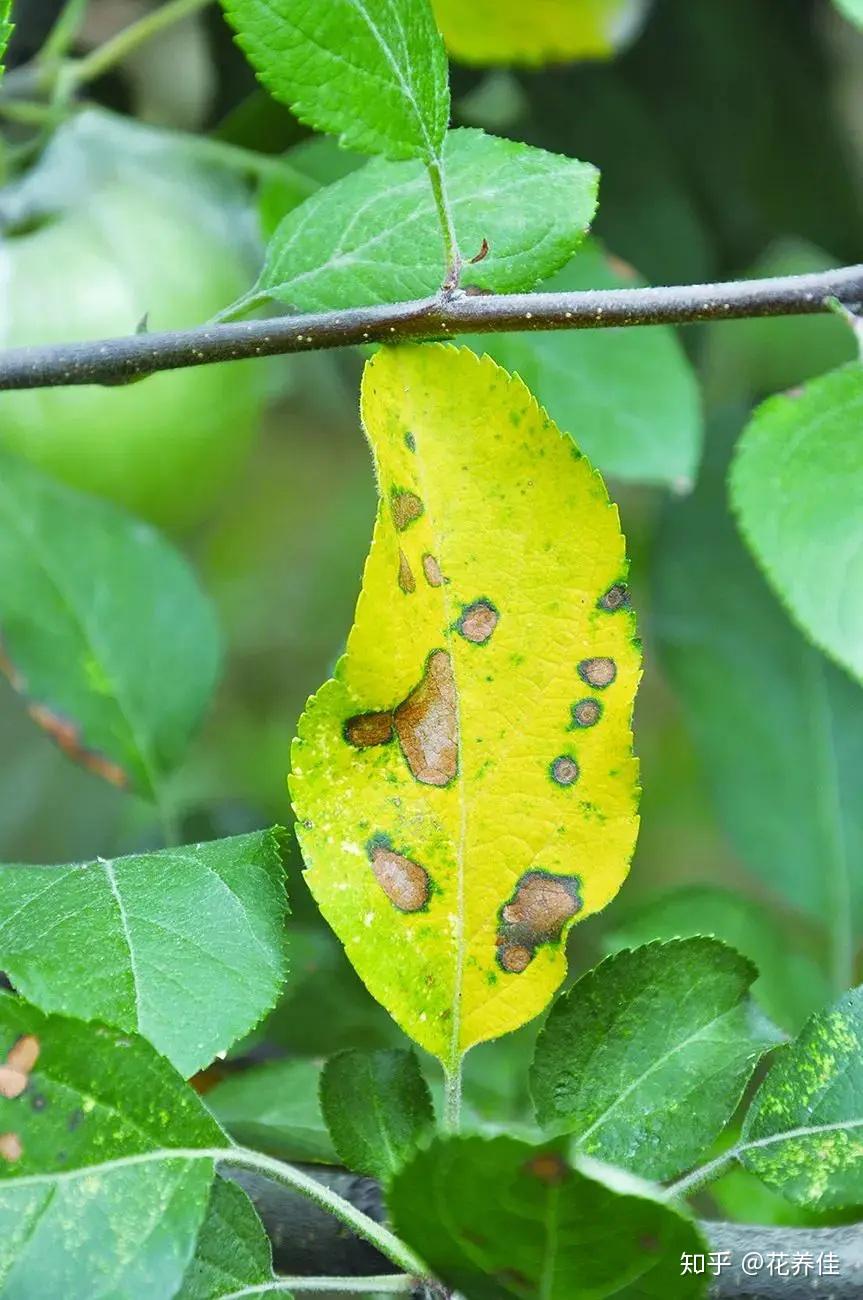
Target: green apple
(133,246)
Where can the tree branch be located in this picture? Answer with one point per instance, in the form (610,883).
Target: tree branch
(306,1240)
(117,361)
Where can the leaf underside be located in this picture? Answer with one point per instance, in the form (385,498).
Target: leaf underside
(465,787)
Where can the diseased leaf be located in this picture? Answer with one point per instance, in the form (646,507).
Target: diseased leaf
(789,986)
(372,72)
(233,1250)
(797,485)
(185,947)
(103,629)
(374,236)
(628,397)
(275,1108)
(75,1220)
(803,1134)
(465,787)
(778,728)
(645,1059)
(378,1109)
(505,1218)
(546,31)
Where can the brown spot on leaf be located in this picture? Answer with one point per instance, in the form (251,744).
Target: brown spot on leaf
(586,713)
(407,582)
(478,622)
(68,736)
(405,882)
(427,723)
(11,1148)
(12,1082)
(537,913)
(615,598)
(599,672)
(431,569)
(16,680)
(514,957)
(405,507)
(24,1053)
(369,729)
(548,1167)
(564,770)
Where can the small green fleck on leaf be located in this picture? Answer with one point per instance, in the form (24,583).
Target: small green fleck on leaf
(185,947)
(797,485)
(378,1109)
(5,30)
(644,1060)
(373,237)
(103,629)
(502,1217)
(372,72)
(803,1134)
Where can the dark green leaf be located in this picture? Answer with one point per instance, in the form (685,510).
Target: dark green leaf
(797,485)
(779,729)
(505,1218)
(373,72)
(104,629)
(374,237)
(645,1059)
(789,986)
(185,947)
(628,397)
(804,1131)
(80,1216)
(276,1108)
(233,1249)
(377,1107)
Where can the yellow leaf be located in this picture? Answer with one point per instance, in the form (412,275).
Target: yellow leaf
(544,31)
(465,787)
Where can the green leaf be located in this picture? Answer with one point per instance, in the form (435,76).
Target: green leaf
(374,237)
(505,1218)
(645,1059)
(373,72)
(378,1109)
(778,728)
(96,1202)
(803,1134)
(104,629)
(275,1108)
(789,986)
(5,30)
(185,947)
(450,845)
(628,397)
(233,1250)
(851,9)
(548,31)
(796,485)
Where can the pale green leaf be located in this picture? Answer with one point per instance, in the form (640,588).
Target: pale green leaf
(628,397)
(852,10)
(544,31)
(233,1250)
(789,986)
(778,728)
(645,1059)
(374,236)
(78,1220)
(378,1109)
(464,786)
(797,488)
(105,632)
(5,29)
(504,1218)
(372,72)
(803,1134)
(185,947)
(275,1108)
